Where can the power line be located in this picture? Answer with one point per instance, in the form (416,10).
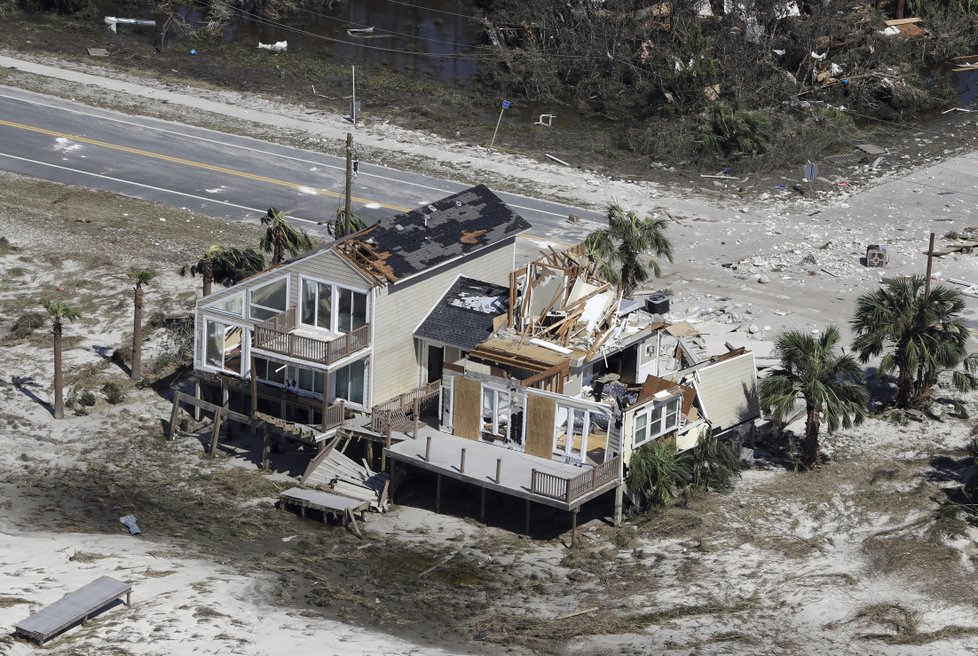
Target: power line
(439,11)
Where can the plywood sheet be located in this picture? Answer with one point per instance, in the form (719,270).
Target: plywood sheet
(467,420)
(540,414)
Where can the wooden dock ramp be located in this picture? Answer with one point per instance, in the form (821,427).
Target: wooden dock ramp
(74,607)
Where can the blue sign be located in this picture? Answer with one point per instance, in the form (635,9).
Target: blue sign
(505,104)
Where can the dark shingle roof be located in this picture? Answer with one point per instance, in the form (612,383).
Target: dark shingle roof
(407,244)
(463,317)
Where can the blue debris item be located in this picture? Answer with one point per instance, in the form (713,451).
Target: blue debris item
(505,104)
(193,51)
(129,521)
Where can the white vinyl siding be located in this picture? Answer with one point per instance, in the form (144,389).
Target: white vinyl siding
(399,311)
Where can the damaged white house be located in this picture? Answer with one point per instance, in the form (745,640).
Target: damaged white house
(417,336)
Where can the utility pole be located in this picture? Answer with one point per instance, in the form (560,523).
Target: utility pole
(353,105)
(930,264)
(347,224)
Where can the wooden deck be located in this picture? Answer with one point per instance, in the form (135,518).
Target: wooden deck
(74,607)
(507,471)
(283,334)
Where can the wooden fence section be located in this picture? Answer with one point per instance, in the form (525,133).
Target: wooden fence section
(398,412)
(275,335)
(569,490)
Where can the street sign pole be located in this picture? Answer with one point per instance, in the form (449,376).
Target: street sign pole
(496,131)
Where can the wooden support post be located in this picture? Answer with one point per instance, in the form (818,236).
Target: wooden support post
(254,388)
(417,416)
(533,481)
(216,431)
(173,415)
(930,264)
(265,448)
(437,492)
(325,408)
(129,598)
(393,483)
(526,530)
(197,396)
(383,454)
(427,450)
(574,528)
(499,469)
(302,512)
(482,507)
(461,464)
(619,503)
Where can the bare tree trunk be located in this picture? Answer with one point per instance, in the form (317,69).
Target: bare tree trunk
(208,276)
(59,392)
(137,333)
(811,458)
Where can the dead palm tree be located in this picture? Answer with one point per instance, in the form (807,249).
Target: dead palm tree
(828,380)
(139,278)
(920,335)
(619,248)
(225,264)
(59,313)
(282,237)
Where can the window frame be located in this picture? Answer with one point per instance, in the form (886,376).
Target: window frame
(245,345)
(669,413)
(252,304)
(216,305)
(336,289)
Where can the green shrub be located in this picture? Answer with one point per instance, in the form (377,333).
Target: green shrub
(87,399)
(735,131)
(113,393)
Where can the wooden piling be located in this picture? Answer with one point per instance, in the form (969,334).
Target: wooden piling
(482,507)
(216,431)
(574,528)
(461,464)
(265,448)
(254,388)
(427,450)
(499,469)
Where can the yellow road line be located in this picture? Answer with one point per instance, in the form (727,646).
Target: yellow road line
(194,164)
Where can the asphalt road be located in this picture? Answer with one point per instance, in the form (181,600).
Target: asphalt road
(215,173)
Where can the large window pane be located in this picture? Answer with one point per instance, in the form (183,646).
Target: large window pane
(269,300)
(308,303)
(351,310)
(324,315)
(350,382)
(311,381)
(214,349)
(222,346)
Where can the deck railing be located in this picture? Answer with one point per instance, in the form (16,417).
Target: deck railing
(569,490)
(275,335)
(397,413)
(334,416)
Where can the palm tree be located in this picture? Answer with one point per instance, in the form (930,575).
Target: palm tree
(618,249)
(225,264)
(59,313)
(139,278)
(657,474)
(827,379)
(344,225)
(281,237)
(920,335)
